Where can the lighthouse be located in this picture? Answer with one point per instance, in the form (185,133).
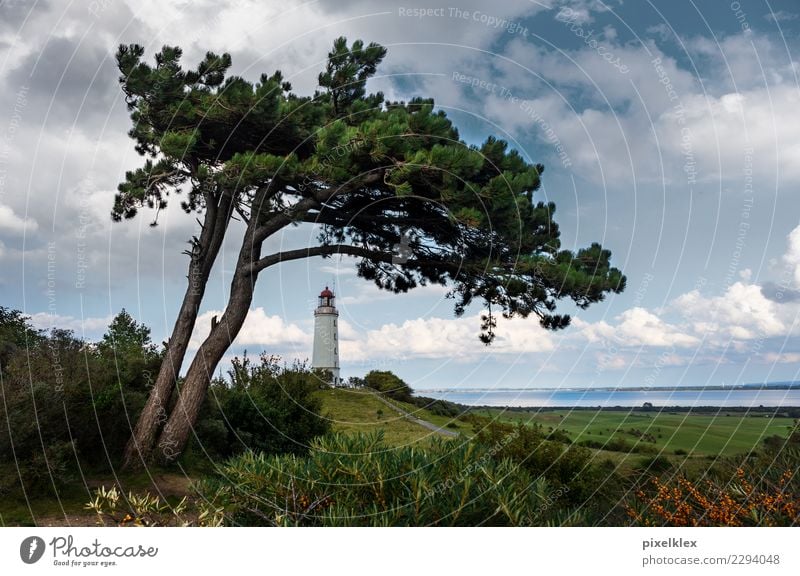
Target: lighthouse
(326,336)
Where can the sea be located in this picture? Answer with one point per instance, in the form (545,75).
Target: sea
(589,398)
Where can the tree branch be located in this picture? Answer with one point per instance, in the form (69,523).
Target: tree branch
(326,250)
(299,210)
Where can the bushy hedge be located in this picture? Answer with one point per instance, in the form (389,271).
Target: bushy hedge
(438,407)
(262,406)
(389,384)
(67,403)
(357,480)
(585,482)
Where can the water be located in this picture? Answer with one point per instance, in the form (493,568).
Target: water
(625,398)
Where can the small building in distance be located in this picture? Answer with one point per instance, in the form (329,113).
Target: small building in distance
(326,337)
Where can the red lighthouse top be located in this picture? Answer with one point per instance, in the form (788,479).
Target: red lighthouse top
(326,298)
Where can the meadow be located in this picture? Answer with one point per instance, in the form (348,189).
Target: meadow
(723,433)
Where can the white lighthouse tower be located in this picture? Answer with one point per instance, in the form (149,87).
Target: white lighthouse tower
(326,336)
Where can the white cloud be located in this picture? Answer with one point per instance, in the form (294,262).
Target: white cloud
(259,329)
(433,337)
(11,223)
(741,313)
(445,338)
(781,357)
(90,326)
(634,328)
(792,256)
(651,121)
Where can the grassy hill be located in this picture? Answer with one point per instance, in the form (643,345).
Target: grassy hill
(357,410)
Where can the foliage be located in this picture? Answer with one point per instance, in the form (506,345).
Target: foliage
(16,333)
(357,480)
(759,489)
(370,173)
(619,445)
(438,407)
(682,502)
(568,467)
(374,177)
(389,384)
(115,509)
(263,407)
(68,403)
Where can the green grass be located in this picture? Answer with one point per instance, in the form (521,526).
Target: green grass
(353,411)
(15,511)
(67,505)
(446,422)
(697,434)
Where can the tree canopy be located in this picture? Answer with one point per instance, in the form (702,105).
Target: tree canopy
(371,174)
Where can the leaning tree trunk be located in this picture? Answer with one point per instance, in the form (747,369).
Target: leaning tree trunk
(179,426)
(193,390)
(204,252)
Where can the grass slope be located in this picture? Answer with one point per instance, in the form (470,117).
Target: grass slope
(353,411)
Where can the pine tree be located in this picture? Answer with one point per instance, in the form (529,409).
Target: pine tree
(389,183)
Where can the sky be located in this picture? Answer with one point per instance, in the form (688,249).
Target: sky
(667,131)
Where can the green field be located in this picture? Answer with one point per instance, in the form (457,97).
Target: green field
(697,434)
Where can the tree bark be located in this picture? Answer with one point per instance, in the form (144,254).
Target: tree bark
(139,449)
(179,426)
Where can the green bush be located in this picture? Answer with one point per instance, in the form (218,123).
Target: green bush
(657,464)
(438,407)
(389,384)
(570,469)
(619,445)
(360,481)
(263,407)
(69,404)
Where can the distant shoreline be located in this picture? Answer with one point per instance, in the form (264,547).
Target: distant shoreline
(776,411)
(749,387)
(771,396)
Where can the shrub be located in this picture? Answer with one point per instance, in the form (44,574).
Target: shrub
(657,464)
(389,384)
(683,502)
(115,509)
(359,481)
(68,403)
(567,467)
(758,489)
(438,407)
(264,407)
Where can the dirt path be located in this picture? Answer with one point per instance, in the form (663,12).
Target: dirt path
(408,416)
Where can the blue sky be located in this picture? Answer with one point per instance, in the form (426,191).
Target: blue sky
(667,130)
